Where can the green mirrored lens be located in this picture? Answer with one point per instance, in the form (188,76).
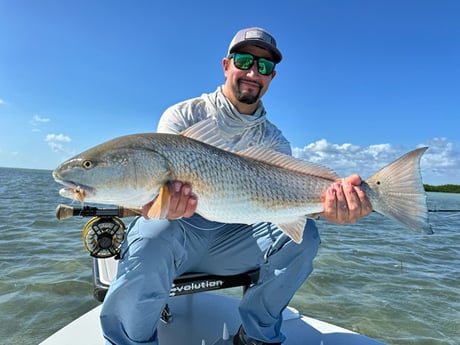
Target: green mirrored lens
(265,66)
(244,61)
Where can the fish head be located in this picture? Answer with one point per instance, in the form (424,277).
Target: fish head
(124,171)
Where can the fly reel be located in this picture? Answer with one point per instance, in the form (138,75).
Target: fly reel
(103,236)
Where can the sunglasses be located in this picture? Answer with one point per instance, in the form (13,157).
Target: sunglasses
(244,61)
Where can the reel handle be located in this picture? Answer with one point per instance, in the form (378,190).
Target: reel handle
(65,211)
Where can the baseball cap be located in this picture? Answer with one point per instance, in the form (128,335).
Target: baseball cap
(257,37)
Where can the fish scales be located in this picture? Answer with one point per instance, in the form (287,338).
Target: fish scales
(233,188)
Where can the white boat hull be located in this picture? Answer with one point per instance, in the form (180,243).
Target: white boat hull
(198,319)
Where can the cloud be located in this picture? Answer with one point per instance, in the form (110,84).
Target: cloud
(441,161)
(58,137)
(57,141)
(2,101)
(439,165)
(38,119)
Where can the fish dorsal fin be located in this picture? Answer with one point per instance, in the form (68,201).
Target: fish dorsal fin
(206,131)
(262,154)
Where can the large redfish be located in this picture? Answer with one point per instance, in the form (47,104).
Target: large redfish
(256,185)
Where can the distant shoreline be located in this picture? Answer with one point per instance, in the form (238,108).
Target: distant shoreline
(445,188)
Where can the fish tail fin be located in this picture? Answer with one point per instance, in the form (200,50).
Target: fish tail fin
(397,191)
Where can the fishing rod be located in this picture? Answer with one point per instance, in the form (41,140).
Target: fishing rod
(104,233)
(65,211)
(435,210)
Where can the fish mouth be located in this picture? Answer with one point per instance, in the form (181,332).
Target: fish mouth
(74,190)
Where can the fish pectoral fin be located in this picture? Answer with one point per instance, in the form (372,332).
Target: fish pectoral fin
(294,230)
(160,206)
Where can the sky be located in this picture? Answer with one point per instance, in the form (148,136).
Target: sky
(361,82)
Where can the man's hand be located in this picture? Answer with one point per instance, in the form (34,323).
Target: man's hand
(346,202)
(182,202)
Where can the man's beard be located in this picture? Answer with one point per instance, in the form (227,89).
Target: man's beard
(244,97)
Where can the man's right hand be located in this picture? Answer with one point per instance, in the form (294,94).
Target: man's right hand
(182,202)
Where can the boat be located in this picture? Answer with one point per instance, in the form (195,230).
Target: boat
(197,312)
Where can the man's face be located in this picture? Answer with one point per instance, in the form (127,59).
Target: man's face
(247,86)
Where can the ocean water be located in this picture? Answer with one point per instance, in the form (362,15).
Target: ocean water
(373,277)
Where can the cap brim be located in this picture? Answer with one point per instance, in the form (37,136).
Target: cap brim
(277,57)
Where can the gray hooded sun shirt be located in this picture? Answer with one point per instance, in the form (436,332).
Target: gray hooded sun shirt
(239,131)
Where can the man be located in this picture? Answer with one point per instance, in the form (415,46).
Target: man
(157,251)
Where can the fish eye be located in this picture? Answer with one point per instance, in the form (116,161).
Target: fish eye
(87,164)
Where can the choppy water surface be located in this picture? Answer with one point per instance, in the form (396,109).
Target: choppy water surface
(373,277)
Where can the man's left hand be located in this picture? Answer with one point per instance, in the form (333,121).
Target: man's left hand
(345,201)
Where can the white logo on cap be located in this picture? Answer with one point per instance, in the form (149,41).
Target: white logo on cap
(258,34)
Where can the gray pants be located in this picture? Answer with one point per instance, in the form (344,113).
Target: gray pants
(157,251)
